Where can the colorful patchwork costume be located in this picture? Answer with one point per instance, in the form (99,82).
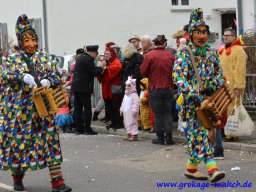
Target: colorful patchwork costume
(200,146)
(28,142)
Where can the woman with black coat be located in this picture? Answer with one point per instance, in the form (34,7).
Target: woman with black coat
(131,65)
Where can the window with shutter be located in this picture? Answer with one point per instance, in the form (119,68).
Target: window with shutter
(175,2)
(184,2)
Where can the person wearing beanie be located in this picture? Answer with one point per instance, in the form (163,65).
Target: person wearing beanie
(110,79)
(130,110)
(28,142)
(157,66)
(190,95)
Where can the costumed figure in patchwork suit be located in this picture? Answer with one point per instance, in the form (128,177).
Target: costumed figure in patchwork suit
(28,142)
(184,76)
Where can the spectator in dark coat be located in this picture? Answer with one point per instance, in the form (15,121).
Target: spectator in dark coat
(82,87)
(131,65)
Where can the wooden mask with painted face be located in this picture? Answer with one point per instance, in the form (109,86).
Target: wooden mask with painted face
(29,42)
(200,36)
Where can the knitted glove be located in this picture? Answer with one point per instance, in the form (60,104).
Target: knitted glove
(29,79)
(45,82)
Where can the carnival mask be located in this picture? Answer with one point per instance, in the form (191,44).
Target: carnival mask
(200,36)
(29,43)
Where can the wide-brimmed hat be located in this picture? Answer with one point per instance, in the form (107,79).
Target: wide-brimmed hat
(136,37)
(178,34)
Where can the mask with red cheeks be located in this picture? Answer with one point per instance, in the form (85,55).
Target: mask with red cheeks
(29,43)
(200,36)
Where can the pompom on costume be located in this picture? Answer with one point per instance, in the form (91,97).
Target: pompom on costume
(210,71)
(28,142)
(22,25)
(130,110)
(144,105)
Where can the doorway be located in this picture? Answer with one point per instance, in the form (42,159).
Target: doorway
(228,20)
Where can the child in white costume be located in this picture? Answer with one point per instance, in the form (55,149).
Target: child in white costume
(130,109)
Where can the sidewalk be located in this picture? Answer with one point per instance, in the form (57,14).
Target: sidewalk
(244,143)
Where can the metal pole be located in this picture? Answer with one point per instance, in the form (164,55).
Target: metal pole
(254,16)
(240,17)
(45,26)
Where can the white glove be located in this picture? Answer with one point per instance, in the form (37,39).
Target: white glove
(45,82)
(29,79)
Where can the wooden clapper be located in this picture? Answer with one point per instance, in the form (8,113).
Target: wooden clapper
(48,101)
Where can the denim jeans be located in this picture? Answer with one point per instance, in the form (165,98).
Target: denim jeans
(161,103)
(218,141)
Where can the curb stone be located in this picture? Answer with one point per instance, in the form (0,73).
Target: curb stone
(176,138)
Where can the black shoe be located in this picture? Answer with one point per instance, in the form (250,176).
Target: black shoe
(90,133)
(79,133)
(104,120)
(110,126)
(168,139)
(118,127)
(158,141)
(95,116)
(62,188)
(71,130)
(64,129)
(168,143)
(18,187)
(218,154)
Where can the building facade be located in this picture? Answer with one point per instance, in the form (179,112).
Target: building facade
(71,24)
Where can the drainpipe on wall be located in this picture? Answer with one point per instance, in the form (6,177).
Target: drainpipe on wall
(240,17)
(45,26)
(254,16)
